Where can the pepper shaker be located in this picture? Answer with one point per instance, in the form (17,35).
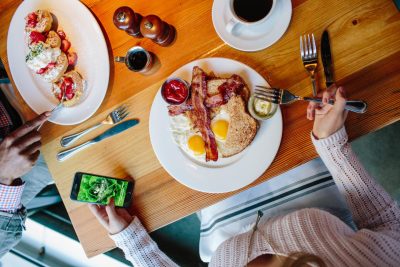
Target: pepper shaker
(127,20)
(157,30)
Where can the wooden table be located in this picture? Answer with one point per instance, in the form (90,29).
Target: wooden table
(365,40)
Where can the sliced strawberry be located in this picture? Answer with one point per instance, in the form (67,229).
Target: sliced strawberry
(68,82)
(36,37)
(31,23)
(65,45)
(70,96)
(61,34)
(72,58)
(32,16)
(51,65)
(41,71)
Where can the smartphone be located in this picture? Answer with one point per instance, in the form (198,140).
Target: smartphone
(97,189)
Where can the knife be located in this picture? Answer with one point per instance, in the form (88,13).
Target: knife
(119,128)
(327,59)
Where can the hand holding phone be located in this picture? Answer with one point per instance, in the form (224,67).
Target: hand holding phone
(91,188)
(113,219)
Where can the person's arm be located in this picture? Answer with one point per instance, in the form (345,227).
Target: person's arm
(129,235)
(371,206)
(18,153)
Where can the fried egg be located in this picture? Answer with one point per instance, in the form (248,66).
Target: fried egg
(220,125)
(187,137)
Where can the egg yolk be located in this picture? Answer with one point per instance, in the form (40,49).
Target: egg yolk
(196,144)
(220,129)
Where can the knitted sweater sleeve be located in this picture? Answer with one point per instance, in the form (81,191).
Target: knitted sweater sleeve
(371,206)
(139,248)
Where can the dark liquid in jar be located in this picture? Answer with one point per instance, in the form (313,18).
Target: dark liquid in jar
(252,10)
(137,60)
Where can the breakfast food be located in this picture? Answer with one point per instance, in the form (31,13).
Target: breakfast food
(214,121)
(72,84)
(49,55)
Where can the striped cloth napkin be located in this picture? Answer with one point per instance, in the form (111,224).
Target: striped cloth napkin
(307,186)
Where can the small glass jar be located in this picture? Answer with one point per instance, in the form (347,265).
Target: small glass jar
(261,109)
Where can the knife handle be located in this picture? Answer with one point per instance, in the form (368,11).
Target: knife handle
(63,155)
(357,106)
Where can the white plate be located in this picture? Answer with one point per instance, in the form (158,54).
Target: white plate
(227,174)
(87,40)
(252,38)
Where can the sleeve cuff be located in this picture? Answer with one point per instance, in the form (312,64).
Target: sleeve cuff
(339,137)
(10,197)
(128,232)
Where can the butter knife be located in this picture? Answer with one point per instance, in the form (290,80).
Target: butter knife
(327,59)
(119,128)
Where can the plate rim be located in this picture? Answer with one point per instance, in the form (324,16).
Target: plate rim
(102,46)
(172,173)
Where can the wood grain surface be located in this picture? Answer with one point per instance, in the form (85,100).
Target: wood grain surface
(366,52)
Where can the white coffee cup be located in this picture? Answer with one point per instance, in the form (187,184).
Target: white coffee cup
(235,20)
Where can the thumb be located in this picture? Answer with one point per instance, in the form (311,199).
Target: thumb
(340,101)
(110,209)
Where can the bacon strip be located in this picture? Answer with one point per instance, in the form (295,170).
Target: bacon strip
(203,121)
(234,85)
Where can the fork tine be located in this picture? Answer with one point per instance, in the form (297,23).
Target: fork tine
(305,47)
(301,47)
(314,47)
(268,89)
(264,93)
(123,116)
(268,99)
(120,110)
(310,53)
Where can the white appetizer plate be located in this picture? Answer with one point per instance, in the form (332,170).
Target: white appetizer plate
(93,63)
(227,174)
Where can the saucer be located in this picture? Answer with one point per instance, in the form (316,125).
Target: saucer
(255,37)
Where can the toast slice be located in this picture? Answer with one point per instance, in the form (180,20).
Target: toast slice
(242,128)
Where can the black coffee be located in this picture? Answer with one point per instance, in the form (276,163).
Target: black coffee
(252,10)
(137,60)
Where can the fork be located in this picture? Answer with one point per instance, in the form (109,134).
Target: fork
(114,117)
(281,96)
(309,56)
(59,105)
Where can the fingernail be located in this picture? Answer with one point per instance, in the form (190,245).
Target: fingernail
(47,113)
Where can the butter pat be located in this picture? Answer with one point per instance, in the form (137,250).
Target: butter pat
(261,107)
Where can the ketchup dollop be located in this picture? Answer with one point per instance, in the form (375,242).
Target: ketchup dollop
(175,92)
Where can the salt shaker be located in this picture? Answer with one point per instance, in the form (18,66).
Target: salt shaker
(157,30)
(127,20)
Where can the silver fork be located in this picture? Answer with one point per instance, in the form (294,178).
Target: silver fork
(309,56)
(281,96)
(56,108)
(114,117)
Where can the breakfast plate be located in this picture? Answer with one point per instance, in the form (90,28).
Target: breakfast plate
(88,41)
(255,37)
(226,174)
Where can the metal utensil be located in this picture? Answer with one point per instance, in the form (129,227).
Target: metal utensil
(60,105)
(281,96)
(309,56)
(327,59)
(63,155)
(114,117)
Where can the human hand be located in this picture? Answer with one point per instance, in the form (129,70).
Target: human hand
(328,119)
(113,219)
(20,149)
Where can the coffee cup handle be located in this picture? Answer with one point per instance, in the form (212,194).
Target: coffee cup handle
(119,59)
(231,24)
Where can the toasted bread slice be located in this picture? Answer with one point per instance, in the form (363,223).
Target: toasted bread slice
(242,128)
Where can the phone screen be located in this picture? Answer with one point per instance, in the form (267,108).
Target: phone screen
(97,189)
